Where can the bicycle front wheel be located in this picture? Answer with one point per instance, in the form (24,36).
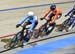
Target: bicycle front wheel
(15,40)
(41,32)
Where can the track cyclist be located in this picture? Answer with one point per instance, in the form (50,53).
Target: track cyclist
(53,13)
(30,18)
(71,13)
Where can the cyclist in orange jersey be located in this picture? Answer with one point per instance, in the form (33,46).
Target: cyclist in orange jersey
(53,13)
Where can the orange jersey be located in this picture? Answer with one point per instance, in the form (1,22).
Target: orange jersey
(57,11)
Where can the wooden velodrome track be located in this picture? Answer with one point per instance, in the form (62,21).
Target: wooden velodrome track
(10,18)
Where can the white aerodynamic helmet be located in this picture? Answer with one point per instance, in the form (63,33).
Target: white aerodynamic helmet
(30,13)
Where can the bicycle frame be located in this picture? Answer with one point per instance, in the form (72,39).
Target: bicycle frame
(46,27)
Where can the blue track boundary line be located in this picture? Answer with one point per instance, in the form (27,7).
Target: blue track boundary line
(18,8)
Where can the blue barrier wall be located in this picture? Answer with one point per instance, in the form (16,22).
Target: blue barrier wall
(48,47)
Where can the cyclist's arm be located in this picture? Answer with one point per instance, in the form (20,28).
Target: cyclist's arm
(71,10)
(46,13)
(23,20)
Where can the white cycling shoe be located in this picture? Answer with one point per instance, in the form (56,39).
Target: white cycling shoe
(25,43)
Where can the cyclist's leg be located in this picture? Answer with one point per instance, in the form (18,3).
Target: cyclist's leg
(24,35)
(53,24)
(30,33)
(26,38)
(50,30)
(33,26)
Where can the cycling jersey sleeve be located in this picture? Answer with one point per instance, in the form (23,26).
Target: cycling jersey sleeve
(71,10)
(23,20)
(47,13)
